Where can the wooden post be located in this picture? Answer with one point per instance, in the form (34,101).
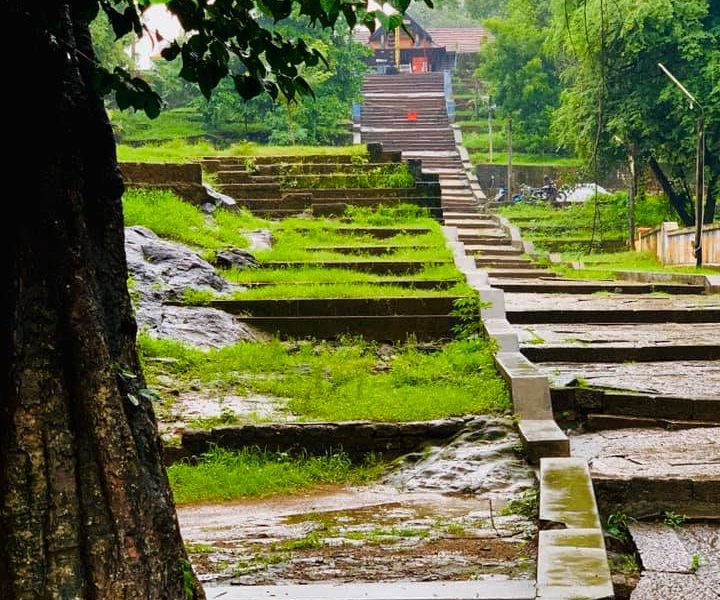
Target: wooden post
(509,165)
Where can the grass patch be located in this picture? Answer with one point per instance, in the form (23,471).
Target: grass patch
(525,158)
(346,290)
(174,219)
(221,475)
(349,177)
(604,266)
(179,150)
(343,381)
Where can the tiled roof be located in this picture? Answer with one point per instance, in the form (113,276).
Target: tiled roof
(463,40)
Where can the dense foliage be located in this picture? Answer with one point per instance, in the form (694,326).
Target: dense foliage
(618,103)
(519,74)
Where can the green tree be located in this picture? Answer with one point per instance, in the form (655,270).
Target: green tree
(519,74)
(85,506)
(618,105)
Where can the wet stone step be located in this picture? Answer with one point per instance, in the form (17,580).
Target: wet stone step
(436,590)
(679,379)
(605,343)
(644,472)
(555,285)
(611,308)
(678,562)
(671,412)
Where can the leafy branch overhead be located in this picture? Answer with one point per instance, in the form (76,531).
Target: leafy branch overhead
(221,29)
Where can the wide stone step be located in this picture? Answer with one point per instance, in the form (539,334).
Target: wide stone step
(525,273)
(610,343)
(681,379)
(367,250)
(644,472)
(488,589)
(472,223)
(665,411)
(554,285)
(612,308)
(395,267)
(380,328)
(322,307)
(502,260)
(481,249)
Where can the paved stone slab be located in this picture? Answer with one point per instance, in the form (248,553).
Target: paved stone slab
(700,378)
(672,586)
(610,301)
(660,548)
(566,493)
(452,590)
(651,453)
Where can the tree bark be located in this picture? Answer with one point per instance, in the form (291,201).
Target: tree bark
(85,505)
(677,201)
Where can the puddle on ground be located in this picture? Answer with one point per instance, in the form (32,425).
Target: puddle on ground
(436,516)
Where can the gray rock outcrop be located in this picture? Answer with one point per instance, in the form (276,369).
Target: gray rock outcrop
(161,271)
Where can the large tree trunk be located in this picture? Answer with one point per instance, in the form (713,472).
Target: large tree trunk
(85,506)
(679,201)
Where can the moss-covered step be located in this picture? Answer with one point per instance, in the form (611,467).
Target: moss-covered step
(378,267)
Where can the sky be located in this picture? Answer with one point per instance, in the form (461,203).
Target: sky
(158,18)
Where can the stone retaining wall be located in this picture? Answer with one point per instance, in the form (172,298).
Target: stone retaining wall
(184,179)
(356,438)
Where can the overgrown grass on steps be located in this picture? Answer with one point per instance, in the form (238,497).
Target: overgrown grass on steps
(222,475)
(172,218)
(350,380)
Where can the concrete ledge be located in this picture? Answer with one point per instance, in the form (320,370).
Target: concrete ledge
(542,439)
(528,387)
(572,562)
(503,333)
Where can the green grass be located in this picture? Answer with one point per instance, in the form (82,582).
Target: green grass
(610,221)
(343,381)
(174,219)
(346,290)
(604,265)
(179,150)
(525,158)
(221,475)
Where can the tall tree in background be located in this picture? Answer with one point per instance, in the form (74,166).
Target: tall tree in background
(520,76)
(85,506)
(617,101)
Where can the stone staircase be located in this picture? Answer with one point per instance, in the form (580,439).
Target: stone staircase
(407,113)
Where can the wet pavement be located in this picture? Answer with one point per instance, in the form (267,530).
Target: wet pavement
(440,515)
(679,563)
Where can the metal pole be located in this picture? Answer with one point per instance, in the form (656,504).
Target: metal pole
(699,190)
(509,166)
(490,127)
(632,191)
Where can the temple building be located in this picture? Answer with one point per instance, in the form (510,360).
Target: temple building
(420,50)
